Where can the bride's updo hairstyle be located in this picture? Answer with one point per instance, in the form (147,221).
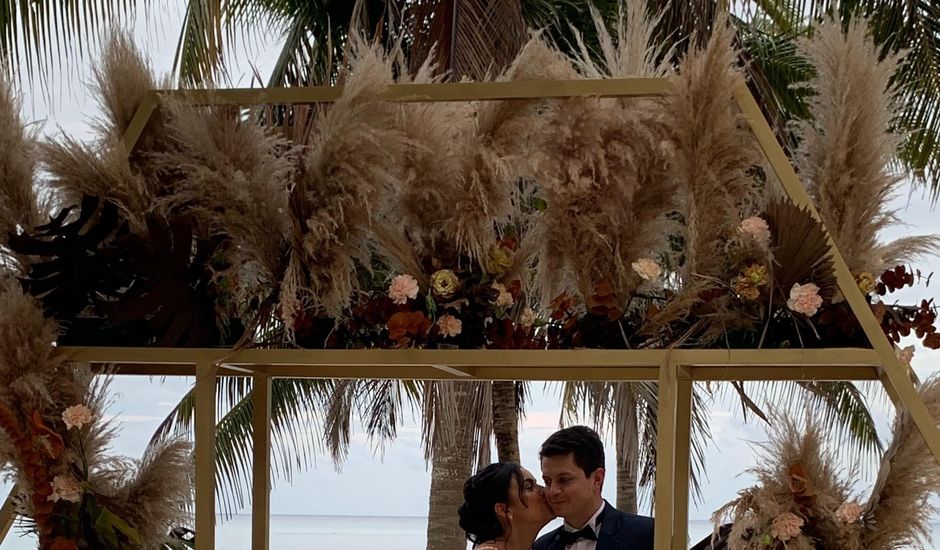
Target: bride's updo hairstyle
(481,493)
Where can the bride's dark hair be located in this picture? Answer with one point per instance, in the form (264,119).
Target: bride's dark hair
(481,493)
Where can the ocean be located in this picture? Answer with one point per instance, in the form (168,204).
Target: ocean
(336,532)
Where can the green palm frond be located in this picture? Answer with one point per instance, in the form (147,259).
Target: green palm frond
(199,58)
(841,408)
(296,425)
(37,38)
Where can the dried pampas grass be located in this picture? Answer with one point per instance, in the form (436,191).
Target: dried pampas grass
(900,507)
(234,177)
(847,149)
(713,150)
(28,361)
(632,52)
(796,474)
(102,168)
(122,79)
(601,167)
(77,169)
(350,169)
(19,205)
(155,493)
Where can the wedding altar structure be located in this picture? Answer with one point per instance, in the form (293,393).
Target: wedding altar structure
(675,370)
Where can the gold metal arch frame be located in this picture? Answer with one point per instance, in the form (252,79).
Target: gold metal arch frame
(675,370)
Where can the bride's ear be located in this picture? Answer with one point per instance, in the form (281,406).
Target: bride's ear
(502,510)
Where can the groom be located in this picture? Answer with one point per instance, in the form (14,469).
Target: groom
(573,472)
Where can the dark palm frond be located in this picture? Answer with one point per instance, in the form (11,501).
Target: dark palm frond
(199,52)
(41,37)
(296,431)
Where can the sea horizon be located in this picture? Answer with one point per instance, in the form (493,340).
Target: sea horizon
(348,532)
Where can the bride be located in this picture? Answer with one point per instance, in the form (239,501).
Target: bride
(503,508)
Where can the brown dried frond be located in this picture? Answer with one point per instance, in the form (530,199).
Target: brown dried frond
(900,508)
(19,206)
(350,170)
(713,149)
(121,81)
(234,176)
(800,249)
(847,149)
(158,495)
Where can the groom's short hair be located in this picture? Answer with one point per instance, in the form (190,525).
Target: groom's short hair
(580,441)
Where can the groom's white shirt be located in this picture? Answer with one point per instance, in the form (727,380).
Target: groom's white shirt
(586,544)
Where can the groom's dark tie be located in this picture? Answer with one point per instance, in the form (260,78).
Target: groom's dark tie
(571,537)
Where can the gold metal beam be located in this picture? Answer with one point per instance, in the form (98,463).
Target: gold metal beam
(666,458)
(205,455)
(683,438)
(7,515)
(261,462)
(445,92)
(452,91)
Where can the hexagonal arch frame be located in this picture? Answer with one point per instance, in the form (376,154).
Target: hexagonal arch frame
(674,369)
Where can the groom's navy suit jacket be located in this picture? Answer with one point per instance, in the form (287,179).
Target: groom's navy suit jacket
(619,531)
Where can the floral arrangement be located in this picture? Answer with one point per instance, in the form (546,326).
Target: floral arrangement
(53,441)
(802,501)
(496,224)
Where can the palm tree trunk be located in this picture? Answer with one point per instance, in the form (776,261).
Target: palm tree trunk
(451,465)
(506,421)
(628,447)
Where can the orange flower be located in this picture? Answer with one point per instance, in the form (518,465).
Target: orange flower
(407,323)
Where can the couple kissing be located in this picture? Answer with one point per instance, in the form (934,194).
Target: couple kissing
(505,507)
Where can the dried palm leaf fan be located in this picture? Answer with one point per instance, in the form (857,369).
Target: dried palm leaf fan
(801,252)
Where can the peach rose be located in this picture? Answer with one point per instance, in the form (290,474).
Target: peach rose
(805,299)
(786,526)
(76,416)
(849,512)
(449,325)
(402,289)
(756,228)
(504,299)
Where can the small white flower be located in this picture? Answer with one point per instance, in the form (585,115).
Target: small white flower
(505,298)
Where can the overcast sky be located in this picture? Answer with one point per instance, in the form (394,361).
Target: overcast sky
(397,483)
